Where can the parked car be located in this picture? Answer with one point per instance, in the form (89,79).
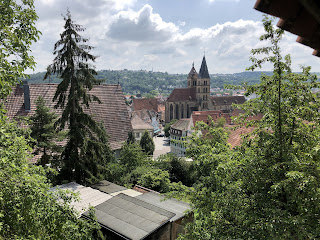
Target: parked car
(160,135)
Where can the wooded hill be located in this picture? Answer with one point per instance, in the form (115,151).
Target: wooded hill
(143,82)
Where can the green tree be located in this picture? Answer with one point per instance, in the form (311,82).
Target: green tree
(131,138)
(132,156)
(28,210)
(45,133)
(85,152)
(146,143)
(17,33)
(168,126)
(269,187)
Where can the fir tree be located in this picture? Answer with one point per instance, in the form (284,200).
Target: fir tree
(131,139)
(146,143)
(45,133)
(87,147)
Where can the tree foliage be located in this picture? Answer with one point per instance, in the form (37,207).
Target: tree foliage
(146,143)
(44,132)
(17,33)
(269,187)
(28,210)
(168,126)
(87,150)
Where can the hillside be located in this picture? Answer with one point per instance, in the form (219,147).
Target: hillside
(143,82)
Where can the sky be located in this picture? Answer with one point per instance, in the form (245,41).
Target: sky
(163,35)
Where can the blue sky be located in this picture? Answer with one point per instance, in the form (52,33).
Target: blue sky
(163,35)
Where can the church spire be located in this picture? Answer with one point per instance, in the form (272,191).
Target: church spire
(204,73)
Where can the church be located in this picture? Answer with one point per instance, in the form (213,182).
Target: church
(196,97)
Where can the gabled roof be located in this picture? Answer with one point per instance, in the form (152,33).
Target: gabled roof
(177,207)
(182,94)
(145,103)
(112,111)
(130,217)
(139,124)
(227,100)
(203,72)
(182,124)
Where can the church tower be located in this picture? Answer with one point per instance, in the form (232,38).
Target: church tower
(192,77)
(203,86)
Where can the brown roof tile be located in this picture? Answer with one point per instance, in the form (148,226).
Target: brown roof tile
(112,111)
(145,103)
(138,124)
(182,124)
(227,100)
(182,94)
(215,114)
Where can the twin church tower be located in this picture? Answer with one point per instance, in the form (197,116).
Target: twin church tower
(196,97)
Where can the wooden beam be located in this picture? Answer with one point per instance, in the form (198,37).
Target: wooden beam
(316,53)
(279,8)
(313,42)
(313,6)
(304,24)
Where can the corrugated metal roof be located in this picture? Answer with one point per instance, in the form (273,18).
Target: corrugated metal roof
(131,217)
(88,196)
(172,205)
(108,187)
(129,192)
(114,189)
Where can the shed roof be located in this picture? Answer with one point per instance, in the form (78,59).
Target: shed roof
(88,196)
(172,205)
(114,189)
(130,217)
(182,94)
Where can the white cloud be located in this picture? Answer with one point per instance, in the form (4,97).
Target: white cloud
(143,25)
(142,39)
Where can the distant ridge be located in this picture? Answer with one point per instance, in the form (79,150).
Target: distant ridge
(143,82)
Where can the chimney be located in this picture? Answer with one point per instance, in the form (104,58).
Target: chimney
(26,91)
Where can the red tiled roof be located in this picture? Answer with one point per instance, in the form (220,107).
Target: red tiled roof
(215,114)
(145,103)
(182,94)
(112,111)
(235,135)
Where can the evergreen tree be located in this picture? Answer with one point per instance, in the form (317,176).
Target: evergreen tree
(146,143)
(86,149)
(131,138)
(45,133)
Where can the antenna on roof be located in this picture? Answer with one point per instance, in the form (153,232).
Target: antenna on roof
(193,63)
(204,51)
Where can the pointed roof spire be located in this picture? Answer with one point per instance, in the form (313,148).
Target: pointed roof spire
(204,73)
(192,71)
